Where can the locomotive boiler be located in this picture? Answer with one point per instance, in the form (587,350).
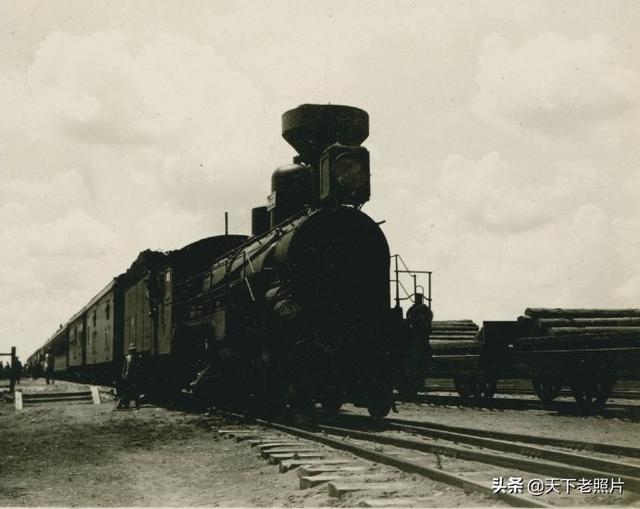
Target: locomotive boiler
(298,313)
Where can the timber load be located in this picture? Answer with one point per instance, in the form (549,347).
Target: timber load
(571,342)
(600,334)
(455,347)
(579,329)
(454,337)
(580,313)
(453,330)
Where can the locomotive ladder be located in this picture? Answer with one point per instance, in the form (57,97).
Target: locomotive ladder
(400,267)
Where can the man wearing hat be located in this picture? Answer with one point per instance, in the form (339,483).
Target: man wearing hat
(129,387)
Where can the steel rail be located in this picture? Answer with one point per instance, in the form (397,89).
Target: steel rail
(524,404)
(530,392)
(569,458)
(405,465)
(612,449)
(502,460)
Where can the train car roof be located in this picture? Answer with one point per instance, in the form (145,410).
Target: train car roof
(75,316)
(95,299)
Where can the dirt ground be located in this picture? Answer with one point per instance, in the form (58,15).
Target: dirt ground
(90,455)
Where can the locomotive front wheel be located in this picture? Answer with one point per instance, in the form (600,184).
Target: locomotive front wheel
(466,386)
(547,389)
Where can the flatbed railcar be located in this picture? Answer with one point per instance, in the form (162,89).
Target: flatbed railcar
(587,350)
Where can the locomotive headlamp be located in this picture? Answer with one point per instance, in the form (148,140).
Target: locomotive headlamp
(344,175)
(349,173)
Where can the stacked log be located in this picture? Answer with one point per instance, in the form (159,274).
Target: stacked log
(576,329)
(453,330)
(580,313)
(454,337)
(588,322)
(456,347)
(578,342)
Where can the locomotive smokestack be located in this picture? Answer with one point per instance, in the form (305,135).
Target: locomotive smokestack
(311,128)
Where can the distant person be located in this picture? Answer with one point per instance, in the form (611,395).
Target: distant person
(49,364)
(36,370)
(130,379)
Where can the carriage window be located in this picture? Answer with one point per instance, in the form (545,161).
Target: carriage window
(95,317)
(107,310)
(167,285)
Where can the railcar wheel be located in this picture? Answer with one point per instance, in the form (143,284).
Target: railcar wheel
(466,386)
(591,392)
(379,409)
(547,389)
(485,389)
(381,403)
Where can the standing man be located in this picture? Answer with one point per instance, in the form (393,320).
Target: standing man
(49,362)
(418,352)
(130,379)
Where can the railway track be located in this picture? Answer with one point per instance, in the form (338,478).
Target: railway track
(611,409)
(519,470)
(623,390)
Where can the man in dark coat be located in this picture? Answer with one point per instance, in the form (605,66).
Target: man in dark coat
(49,362)
(130,379)
(418,351)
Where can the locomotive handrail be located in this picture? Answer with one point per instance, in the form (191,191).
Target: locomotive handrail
(406,292)
(414,275)
(247,261)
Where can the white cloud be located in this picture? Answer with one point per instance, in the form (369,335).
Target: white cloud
(129,148)
(502,236)
(554,86)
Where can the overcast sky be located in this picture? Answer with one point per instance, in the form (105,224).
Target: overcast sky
(504,140)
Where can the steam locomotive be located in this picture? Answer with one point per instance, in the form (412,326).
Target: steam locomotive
(297,313)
